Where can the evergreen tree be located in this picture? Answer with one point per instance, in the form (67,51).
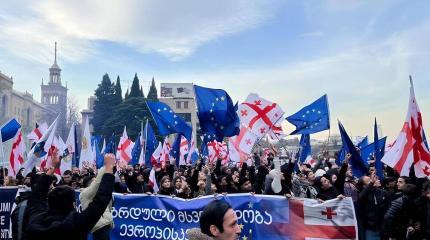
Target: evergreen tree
(103,105)
(118,92)
(135,88)
(129,113)
(152,94)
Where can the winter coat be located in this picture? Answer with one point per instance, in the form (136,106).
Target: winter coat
(86,197)
(73,225)
(373,203)
(196,234)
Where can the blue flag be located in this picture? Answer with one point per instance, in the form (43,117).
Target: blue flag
(175,151)
(76,155)
(204,150)
(135,152)
(217,114)
(368,153)
(358,166)
(151,143)
(110,147)
(305,145)
(9,129)
(364,142)
(379,150)
(341,156)
(312,118)
(99,157)
(167,120)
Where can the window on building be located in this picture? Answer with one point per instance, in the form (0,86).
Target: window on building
(178,104)
(186,105)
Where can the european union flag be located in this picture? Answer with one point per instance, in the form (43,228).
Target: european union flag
(379,150)
(99,156)
(305,145)
(312,118)
(151,143)
(364,142)
(217,114)
(167,120)
(9,129)
(358,166)
(175,151)
(135,152)
(368,152)
(110,147)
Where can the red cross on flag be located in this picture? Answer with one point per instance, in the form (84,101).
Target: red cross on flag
(16,158)
(165,153)
(240,146)
(213,151)
(259,114)
(183,150)
(223,152)
(409,148)
(125,147)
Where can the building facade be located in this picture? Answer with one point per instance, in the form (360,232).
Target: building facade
(180,98)
(54,97)
(28,111)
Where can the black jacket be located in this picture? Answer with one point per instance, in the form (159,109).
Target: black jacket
(55,225)
(373,203)
(397,218)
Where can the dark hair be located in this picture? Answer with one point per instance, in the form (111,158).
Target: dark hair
(87,180)
(61,198)
(213,214)
(409,190)
(408,180)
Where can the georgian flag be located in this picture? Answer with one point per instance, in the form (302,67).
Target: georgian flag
(16,158)
(259,114)
(164,156)
(183,150)
(193,154)
(153,181)
(155,157)
(276,132)
(223,153)
(37,132)
(125,147)
(213,151)
(409,148)
(240,146)
(308,219)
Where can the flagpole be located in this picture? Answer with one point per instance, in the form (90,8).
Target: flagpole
(146,140)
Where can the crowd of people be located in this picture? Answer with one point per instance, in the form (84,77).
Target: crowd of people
(395,207)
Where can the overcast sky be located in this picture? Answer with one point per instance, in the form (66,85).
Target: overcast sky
(358,52)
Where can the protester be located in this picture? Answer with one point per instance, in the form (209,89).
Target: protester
(61,220)
(101,231)
(217,221)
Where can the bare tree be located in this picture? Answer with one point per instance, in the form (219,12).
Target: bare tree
(73,114)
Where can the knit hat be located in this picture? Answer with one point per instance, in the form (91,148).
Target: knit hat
(319,173)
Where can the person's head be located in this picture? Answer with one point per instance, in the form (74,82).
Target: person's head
(310,176)
(139,178)
(84,171)
(409,190)
(62,199)
(87,181)
(75,170)
(401,181)
(67,178)
(425,190)
(178,182)
(165,182)
(122,178)
(223,181)
(390,183)
(9,181)
(349,172)
(219,220)
(246,185)
(325,182)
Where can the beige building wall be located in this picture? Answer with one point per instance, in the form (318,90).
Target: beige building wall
(22,106)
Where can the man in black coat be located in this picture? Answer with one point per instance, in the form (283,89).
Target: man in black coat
(61,221)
